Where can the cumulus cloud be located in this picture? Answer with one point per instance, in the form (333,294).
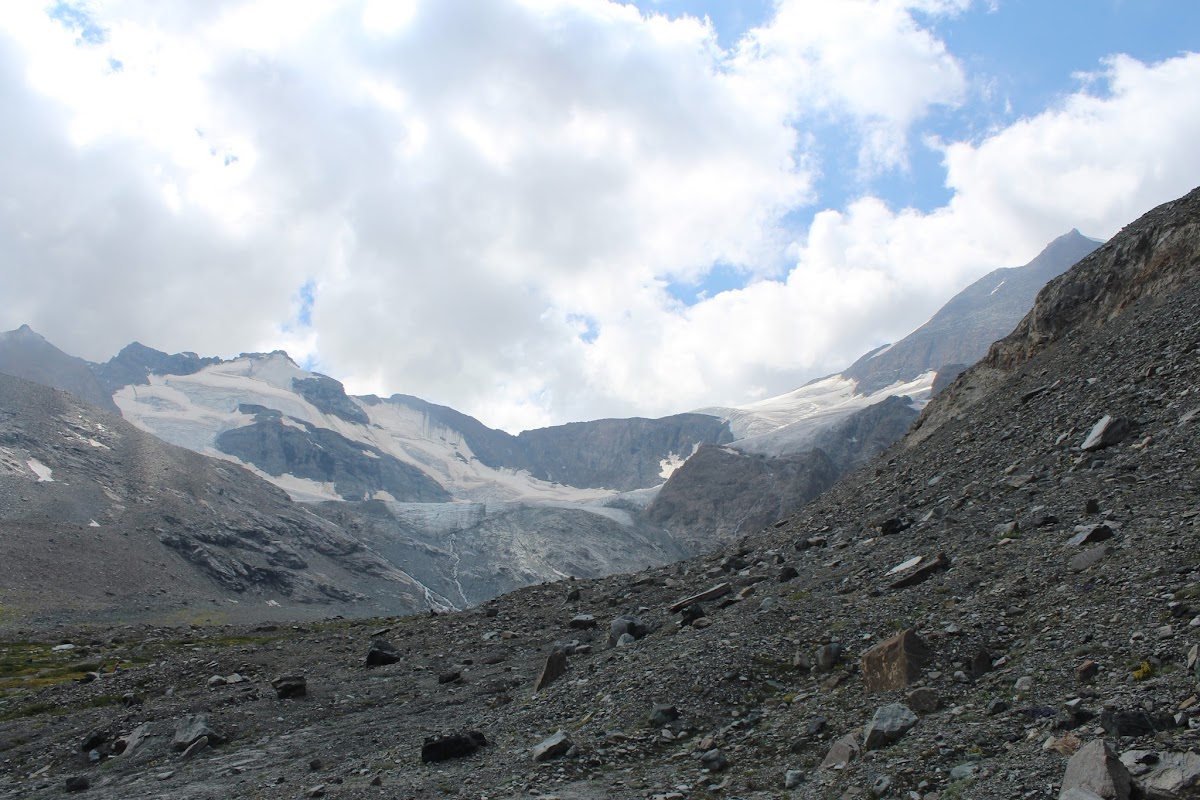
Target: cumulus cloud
(485,204)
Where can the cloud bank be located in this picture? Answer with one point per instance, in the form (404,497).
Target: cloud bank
(486,204)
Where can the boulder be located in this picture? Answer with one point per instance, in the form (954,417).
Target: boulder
(1106,432)
(894,663)
(381,653)
(888,725)
(454,745)
(1164,776)
(843,751)
(626,624)
(290,686)
(1096,768)
(189,729)
(554,747)
(552,670)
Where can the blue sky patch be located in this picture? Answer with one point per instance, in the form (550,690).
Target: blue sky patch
(77,19)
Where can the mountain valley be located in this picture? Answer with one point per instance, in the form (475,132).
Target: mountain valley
(1004,604)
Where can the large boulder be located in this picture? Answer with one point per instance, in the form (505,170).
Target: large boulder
(895,662)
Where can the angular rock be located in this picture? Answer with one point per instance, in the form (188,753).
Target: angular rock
(1134,723)
(1164,776)
(719,590)
(554,747)
(1096,768)
(1086,671)
(923,701)
(582,622)
(662,714)
(788,573)
(1090,534)
(189,729)
(1106,432)
(454,745)
(828,656)
(77,783)
(894,663)
(194,748)
(714,760)
(290,686)
(381,653)
(888,725)
(626,624)
(1089,558)
(552,670)
(922,573)
(843,751)
(692,613)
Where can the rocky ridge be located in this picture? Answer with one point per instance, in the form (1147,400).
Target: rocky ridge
(988,610)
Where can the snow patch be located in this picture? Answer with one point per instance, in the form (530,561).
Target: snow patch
(93,524)
(44,473)
(818,404)
(881,351)
(998,285)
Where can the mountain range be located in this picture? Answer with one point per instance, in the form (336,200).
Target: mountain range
(441,510)
(1003,604)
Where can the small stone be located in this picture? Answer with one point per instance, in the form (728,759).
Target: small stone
(216,680)
(450,676)
(627,640)
(1024,683)
(315,791)
(792,778)
(701,623)
(582,622)
(1092,506)
(1089,558)
(996,706)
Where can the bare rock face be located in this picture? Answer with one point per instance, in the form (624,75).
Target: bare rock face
(895,662)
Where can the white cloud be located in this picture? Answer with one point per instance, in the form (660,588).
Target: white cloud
(470,188)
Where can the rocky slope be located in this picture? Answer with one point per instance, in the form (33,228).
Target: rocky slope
(1035,575)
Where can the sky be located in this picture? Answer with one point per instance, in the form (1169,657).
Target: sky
(541,211)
